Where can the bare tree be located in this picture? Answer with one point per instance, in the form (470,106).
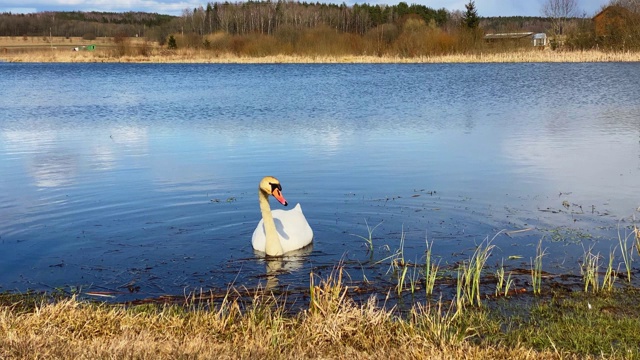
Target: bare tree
(559,11)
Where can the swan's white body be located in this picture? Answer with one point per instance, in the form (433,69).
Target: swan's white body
(279,231)
(293,230)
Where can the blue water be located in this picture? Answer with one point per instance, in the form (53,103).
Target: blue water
(118,177)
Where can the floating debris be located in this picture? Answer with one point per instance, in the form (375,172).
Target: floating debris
(509,233)
(105,294)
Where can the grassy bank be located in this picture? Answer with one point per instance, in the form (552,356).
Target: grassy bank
(561,326)
(203,56)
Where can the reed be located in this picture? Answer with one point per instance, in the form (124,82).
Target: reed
(460,298)
(610,275)
(398,264)
(636,231)
(536,269)
(470,273)
(413,280)
(369,238)
(624,250)
(401,279)
(503,285)
(430,270)
(160,55)
(589,270)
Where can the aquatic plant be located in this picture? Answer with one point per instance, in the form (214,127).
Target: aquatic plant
(536,268)
(470,273)
(637,232)
(610,275)
(624,250)
(413,280)
(399,265)
(503,285)
(369,238)
(430,270)
(589,270)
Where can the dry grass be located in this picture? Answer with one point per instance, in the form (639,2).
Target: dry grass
(59,50)
(335,327)
(203,56)
(56,41)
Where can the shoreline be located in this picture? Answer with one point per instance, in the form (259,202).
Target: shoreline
(190,56)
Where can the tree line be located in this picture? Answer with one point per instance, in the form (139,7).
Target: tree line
(239,18)
(78,23)
(251,27)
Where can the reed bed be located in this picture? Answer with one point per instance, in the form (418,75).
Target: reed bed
(157,55)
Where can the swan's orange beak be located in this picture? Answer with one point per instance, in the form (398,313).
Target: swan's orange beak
(278,195)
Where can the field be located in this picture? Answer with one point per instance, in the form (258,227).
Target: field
(137,50)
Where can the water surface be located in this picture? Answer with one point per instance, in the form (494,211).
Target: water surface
(143,178)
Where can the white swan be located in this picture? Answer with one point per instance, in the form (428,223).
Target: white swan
(279,231)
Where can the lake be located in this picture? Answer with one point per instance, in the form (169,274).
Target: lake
(140,180)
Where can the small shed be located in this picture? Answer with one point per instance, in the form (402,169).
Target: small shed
(507,36)
(540,39)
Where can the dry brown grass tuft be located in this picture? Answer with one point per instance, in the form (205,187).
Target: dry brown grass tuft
(334,327)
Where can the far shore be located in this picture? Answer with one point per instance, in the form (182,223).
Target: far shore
(203,56)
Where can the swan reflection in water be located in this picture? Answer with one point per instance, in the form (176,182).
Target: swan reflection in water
(279,265)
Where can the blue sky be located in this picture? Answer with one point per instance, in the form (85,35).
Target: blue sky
(485,7)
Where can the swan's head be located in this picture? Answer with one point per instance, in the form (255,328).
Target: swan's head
(271,186)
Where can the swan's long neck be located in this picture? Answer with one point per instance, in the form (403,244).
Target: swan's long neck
(273,246)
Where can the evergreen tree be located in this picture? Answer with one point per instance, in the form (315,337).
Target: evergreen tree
(171,44)
(470,18)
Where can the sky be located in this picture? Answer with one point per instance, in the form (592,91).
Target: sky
(485,7)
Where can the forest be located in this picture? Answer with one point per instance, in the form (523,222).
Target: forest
(260,28)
